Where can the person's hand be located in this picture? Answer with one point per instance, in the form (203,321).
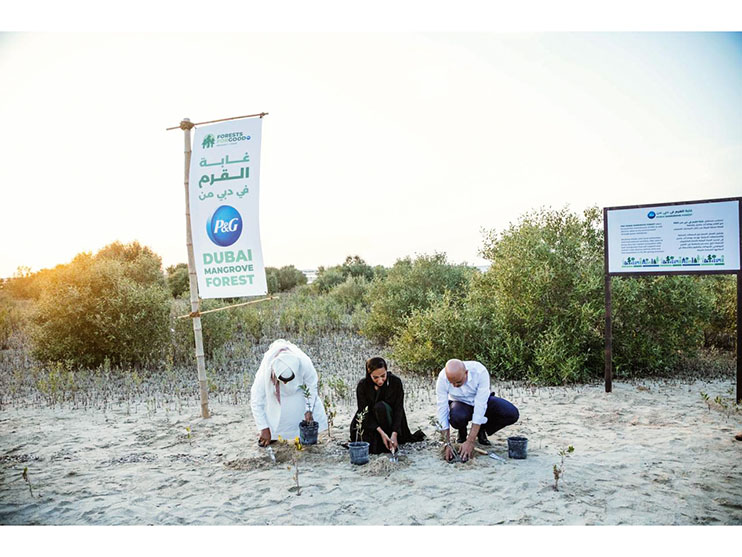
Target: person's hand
(394,446)
(265,437)
(308,417)
(386,440)
(466,449)
(449,453)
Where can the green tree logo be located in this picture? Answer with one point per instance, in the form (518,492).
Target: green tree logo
(208,141)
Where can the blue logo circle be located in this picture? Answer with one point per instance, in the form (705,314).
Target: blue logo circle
(651,214)
(225,226)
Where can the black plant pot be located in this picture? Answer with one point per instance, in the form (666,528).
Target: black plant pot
(308,432)
(517,447)
(358,452)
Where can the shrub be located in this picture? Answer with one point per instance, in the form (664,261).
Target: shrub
(283,279)
(544,294)
(308,315)
(11,319)
(431,336)
(139,263)
(656,321)
(178,281)
(110,306)
(721,328)
(351,294)
(327,279)
(290,277)
(411,285)
(258,320)
(353,266)
(216,329)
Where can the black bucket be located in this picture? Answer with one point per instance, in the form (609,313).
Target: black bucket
(517,447)
(358,452)
(308,432)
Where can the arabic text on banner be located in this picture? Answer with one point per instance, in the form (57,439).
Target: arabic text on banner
(223,194)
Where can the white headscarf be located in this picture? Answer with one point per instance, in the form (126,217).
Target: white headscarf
(283,363)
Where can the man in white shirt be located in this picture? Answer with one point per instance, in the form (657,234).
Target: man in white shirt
(463,394)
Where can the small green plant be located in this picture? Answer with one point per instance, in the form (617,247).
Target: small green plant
(295,454)
(433,420)
(705,398)
(559,469)
(359,423)
(331,411)
(307,394)
(24,475)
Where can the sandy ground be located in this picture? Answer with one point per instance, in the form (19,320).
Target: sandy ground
(650,453)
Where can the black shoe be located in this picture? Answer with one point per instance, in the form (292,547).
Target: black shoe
(462,436)
(482,437)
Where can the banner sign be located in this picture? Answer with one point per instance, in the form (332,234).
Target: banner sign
(223,194)
(680,237)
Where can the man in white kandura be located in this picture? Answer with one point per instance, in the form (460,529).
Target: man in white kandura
(463,394)
(277,400)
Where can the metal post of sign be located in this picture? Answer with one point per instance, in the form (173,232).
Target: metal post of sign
(608,322)
(186,126)
(739,333)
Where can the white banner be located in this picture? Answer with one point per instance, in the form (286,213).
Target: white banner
(223,193)
(688,237)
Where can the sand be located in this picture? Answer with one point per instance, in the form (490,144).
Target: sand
(650,453)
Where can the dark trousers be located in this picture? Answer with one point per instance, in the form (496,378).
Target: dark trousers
(499,413)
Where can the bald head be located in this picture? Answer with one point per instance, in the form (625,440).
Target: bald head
(456,372)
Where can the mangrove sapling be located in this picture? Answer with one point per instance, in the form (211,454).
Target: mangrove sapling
(307,395)
(24,475)
(359,423)
(559,470)
(295,454)
(331,412)
(705,398)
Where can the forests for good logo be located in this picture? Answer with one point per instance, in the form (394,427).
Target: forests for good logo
(208,141)
(225,226)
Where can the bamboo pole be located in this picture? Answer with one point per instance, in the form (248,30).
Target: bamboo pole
(186,126)
(261,114)
(200,313)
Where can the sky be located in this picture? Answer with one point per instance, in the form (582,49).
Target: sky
(377,144)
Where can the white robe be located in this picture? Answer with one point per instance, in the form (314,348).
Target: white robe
(283,418)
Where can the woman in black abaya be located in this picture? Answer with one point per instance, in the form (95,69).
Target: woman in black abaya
(381,394)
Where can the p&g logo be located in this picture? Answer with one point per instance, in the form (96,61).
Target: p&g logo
(651,214)
(225,226)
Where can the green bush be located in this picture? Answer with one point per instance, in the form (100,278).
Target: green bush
(408,286)
(283,279)
(110,306)
(721,329)
(544,295)
(327,279)
(178,281)
(217,329)
(353,266)
(657,320)
(11,319)
(310,315)
(431,336)
(258,320)
(290,277)
(351,294)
